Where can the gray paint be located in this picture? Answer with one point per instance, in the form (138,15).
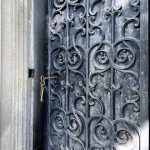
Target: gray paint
(21,48)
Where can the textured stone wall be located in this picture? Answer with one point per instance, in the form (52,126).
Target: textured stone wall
(18,95)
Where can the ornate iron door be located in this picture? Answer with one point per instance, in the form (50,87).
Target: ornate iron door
(98,49)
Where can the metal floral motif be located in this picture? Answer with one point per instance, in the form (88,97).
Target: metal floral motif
(94,50)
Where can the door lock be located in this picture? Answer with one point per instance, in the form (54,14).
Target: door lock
(43,86)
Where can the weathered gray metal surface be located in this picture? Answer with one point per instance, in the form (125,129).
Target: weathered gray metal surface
(94,47)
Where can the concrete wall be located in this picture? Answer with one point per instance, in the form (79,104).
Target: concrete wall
(21,41)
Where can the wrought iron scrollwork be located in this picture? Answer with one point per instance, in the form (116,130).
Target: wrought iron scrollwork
(94,50)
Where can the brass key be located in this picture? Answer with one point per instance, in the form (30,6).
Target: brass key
(43,86)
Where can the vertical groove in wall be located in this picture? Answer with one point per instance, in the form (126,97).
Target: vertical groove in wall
(30,64)
(25,75)
(20,48)
(29,41)
(13,127)
(14,137)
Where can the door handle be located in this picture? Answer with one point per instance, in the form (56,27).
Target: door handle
(43,86)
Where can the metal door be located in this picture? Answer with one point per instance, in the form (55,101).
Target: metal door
(98,50)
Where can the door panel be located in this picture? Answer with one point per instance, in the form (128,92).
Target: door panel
(97,50)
